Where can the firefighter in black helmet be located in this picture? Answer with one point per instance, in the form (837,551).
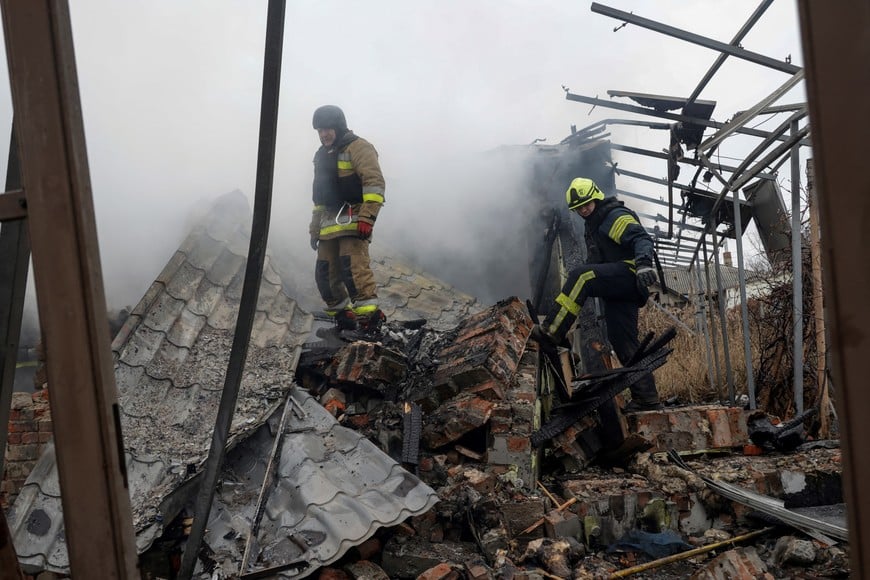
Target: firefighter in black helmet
(348,193)
(619,270)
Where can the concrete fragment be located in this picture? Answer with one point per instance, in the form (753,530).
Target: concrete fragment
(791,550)
(519,515)
(558,524)
(737,564)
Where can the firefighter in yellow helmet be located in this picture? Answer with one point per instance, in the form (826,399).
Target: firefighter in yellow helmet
(348,194)
(619,270)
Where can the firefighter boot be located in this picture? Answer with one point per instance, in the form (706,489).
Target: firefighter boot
(371,323)
(644,396)
(346,320)
(542,337)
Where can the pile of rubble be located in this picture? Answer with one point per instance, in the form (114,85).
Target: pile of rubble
(510,510)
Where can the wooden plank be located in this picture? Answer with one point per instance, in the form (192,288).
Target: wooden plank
(69,287)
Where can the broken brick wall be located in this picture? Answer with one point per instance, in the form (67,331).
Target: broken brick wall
(29,431)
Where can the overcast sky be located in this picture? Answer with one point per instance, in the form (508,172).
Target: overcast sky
(171,92)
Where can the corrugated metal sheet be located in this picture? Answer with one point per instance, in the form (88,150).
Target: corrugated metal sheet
(333,489)
(679,279)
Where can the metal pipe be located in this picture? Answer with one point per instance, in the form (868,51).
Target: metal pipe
(695,38)
(797,282)
(251,285)
(744,309)
(695,162)
(720,60)
(723,319)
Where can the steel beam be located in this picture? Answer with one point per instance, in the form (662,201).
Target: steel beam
(69,288)
(749,114)
(251,286)
(753,57)
(720,60)
(664,115)
(680,186)
(695,162)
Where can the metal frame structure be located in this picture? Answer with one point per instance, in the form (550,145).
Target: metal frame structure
(678,247)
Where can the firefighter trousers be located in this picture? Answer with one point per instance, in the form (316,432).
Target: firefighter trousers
(344,276)
(616,284)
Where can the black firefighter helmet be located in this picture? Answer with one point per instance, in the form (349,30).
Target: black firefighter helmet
(330,117)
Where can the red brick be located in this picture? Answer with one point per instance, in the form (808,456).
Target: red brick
(359,421)
(369,549)
(333,574)
(519,444)
(44,437)
(737,564)
(426,464)
(489,390)
(13,439)
(22,453)
(440,572)
(22,426)
(46,426)
(31,437)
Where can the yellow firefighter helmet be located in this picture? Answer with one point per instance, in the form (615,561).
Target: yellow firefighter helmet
(582,191)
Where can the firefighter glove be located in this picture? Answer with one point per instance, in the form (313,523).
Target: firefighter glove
(646,276)
(314,242)
(364,229)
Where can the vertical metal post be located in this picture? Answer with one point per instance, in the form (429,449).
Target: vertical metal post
(251,286)
(700,318)
(14,264)
(797,281)
(835,46)
(712,320)
(744,309)
(723,318)
(69,289)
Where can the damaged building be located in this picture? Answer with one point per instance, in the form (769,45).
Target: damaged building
(441,444)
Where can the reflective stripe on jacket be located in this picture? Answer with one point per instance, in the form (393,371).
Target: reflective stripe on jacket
(356,194)
(614,234)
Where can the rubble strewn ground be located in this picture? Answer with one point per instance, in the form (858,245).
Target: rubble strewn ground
(457,409)
(530,516)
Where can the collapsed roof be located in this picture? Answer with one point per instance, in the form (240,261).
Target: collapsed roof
(170,360)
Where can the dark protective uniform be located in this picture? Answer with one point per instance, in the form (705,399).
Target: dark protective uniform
(348,189)
(617,245)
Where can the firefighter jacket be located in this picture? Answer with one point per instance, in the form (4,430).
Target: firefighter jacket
(614,234)
(348,187)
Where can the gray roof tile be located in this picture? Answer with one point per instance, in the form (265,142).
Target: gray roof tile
(334,488)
